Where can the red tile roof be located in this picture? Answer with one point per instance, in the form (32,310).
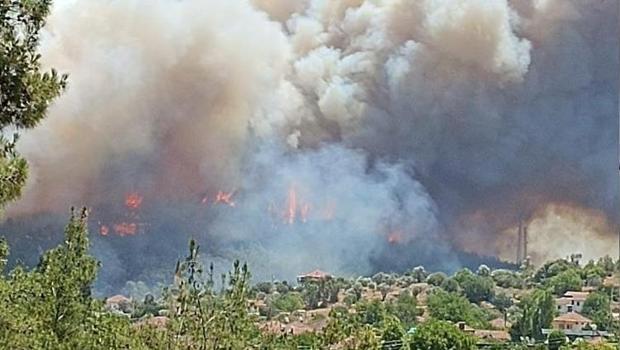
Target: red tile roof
(576,295)
(572,317)
(317,274)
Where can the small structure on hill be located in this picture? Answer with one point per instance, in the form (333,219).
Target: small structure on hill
(571,321)
(485,334)
(314,276)
(119,303)
(571,301)
(576,326)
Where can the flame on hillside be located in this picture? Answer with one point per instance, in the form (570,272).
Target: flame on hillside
(130,223)
(133,200)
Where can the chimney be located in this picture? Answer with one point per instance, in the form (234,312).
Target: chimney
(525,242)
(519,258)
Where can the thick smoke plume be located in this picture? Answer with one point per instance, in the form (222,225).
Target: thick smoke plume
(348,134)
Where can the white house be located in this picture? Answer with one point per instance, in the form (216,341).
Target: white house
(571,301)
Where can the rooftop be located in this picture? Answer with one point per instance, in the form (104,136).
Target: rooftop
(576,295)
(492,334)
(316,274)
(572,317)
(579,333)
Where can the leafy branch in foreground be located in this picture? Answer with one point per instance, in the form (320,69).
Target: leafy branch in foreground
(25,91)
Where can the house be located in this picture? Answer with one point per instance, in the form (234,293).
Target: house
(500,324)
(314,276)
(493,335)
(591,336)
(571,321)
(485,334)
(571,301)
(119,303)
(463,327)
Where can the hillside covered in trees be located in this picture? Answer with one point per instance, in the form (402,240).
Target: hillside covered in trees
(51,307)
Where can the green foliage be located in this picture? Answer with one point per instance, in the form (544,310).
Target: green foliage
(555,340)
(476,288)
(607,264)
(51,307)
(455,308)
(566,280)
(589,346)
(265,287)
(440,335)
(507,279)
(436,279)
(536,311)
(450,285)
(311,296)
(419,274)
(502,302)
(483,271)
(282,287)
(363,338)
(4,254)
(597,308)
(370,312)
(288,302)
(202,319)
(26,91)
(404,308)
(552,268)
(392,330)
(340,325)
(147,308)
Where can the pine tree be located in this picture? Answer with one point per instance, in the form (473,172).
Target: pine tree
(25,91)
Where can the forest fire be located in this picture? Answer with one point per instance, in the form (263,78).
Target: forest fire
(126,228)
(395,237)
(225,198)
(130,225)
(296,209)
(133,200)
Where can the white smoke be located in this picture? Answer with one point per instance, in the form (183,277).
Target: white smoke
(412,115)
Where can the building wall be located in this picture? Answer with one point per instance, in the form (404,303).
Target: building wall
(572,325)
(571,306)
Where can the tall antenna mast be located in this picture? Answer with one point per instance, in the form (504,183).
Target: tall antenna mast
(519,259)
(525,255)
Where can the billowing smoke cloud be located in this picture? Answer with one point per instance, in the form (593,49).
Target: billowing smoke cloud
(396,130)
(327,208)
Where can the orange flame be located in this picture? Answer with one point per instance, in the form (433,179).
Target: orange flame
(292,206)
(126,229)
(225,198)
(395,237)
(296,208)
(305,209)
(133,200)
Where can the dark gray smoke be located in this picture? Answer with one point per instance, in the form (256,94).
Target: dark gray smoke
(350,135)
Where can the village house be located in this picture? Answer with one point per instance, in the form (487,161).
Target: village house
(571,301)
(576,326)
(571,321)
(119,304)
(314,276)
(484,334)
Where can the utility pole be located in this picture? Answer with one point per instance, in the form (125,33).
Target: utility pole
(519,258)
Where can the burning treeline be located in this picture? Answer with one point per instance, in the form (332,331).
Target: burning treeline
(345,133)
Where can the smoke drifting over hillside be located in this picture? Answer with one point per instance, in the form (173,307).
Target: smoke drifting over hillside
(347,134)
